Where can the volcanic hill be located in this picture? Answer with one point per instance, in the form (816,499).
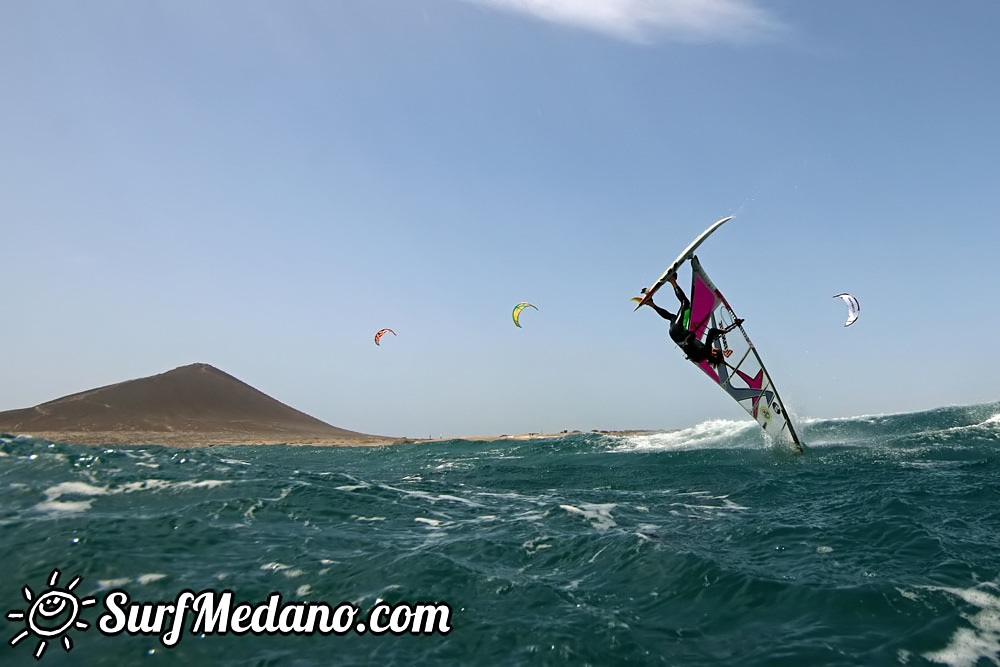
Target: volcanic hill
(190,406)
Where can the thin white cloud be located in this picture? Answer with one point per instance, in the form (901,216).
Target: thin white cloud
(645,20)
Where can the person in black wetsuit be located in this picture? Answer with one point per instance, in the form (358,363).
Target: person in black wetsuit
(695,350)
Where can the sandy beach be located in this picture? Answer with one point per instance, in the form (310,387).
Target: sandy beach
(185,439)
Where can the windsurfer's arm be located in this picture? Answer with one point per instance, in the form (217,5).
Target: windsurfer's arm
(732,326)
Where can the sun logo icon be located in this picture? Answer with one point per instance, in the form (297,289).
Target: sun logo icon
(51,614)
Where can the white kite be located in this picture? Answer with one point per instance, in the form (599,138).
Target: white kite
(853,308)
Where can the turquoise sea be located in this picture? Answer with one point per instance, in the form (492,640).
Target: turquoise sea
(705,546)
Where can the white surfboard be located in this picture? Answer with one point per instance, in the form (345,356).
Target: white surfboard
(683,257)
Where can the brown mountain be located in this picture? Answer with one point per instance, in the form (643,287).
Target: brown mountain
(188,406)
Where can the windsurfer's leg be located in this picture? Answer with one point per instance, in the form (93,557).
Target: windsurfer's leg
(696,351)
(665,314)
(682,297)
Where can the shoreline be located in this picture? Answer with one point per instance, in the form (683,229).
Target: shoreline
(533,436)
(192,440)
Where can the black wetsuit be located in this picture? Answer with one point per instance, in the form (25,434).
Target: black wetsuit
(686,339)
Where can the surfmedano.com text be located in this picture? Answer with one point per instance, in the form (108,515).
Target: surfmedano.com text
(215,613)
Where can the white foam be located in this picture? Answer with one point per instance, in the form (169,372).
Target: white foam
(593,559)
(74,489)
(599,515)
(536,544)
(53,494)
(970,645)
(430,496)
(711,434)
(415,494)
(249,513)
(453,465)
(988,423)
(431,522)
(691,506)
(53,504)
(275,567)
(446,496)
(162,484)
(142,580)
(64,507)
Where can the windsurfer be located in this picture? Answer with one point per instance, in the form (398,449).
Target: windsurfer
(686,339)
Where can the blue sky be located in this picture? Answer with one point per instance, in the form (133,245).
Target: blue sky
(263,185)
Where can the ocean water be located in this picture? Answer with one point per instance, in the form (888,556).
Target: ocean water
(706,546)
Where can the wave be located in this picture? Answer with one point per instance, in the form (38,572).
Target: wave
(688,544)
(53,495)
(938,426)
(712,434)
